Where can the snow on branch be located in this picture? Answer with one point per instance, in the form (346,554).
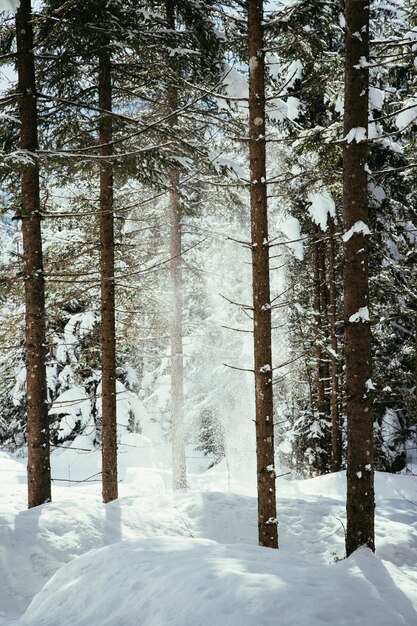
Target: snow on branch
(361,315)
(358,227)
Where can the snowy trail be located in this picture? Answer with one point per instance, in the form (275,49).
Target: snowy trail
(202,540)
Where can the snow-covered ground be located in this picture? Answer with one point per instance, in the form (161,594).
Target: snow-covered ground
(155,558)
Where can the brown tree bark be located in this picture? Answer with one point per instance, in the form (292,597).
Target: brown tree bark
(179,473)
(322,340)
(415,369)
(108,334)
(324,310)
(318,320)
(39,471)
(267,522)
(320,314)
(360,471)
(336,457)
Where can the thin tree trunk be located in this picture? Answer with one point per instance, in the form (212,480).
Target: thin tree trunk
(318,314)
(179,473)
(322,362)
(39,471)
(267,522)
(336,461)
(415,368)
(324,309)
(360,471)
(108,334)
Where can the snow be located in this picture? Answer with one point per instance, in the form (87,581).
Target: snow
(361,315)
(363,62)
(74,405)
(293,107)
(358,227)
(377,192)
(376,98)
(291,230)
(234,84)
(154,557)
(231,165)
(9,5)
(277,109)
(408,115)
(321,206)
(181,581)
(357,134)
(265,368)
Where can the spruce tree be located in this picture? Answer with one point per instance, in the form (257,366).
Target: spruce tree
(39,471)
(264,415)
(360,502)
(108,329)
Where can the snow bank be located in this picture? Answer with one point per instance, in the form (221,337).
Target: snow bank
(81,461)
(154,558)
(12,472)
(184,582)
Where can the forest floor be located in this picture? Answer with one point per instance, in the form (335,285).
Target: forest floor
(155,558)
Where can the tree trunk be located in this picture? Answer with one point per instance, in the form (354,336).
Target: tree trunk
(415,369)
(39,470)
(360,472)
(179,473)
(267,522)
(322,332)
(324,310)
(336,459)
(320,314)
(324,372)
(317,317)
(108,334)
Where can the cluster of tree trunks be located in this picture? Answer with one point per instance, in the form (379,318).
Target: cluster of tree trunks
(357,337)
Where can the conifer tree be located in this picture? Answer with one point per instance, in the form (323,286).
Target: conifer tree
(264,414)
(360,502)
(108,329)
(179,476)
(39,471)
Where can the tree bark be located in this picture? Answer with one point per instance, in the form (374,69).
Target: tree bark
(324,310)
(267,522)
(415,369)
(322,337)
(319,314)
(39,471)
(360,471)
(336,458)
(179,473)
(108,334)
